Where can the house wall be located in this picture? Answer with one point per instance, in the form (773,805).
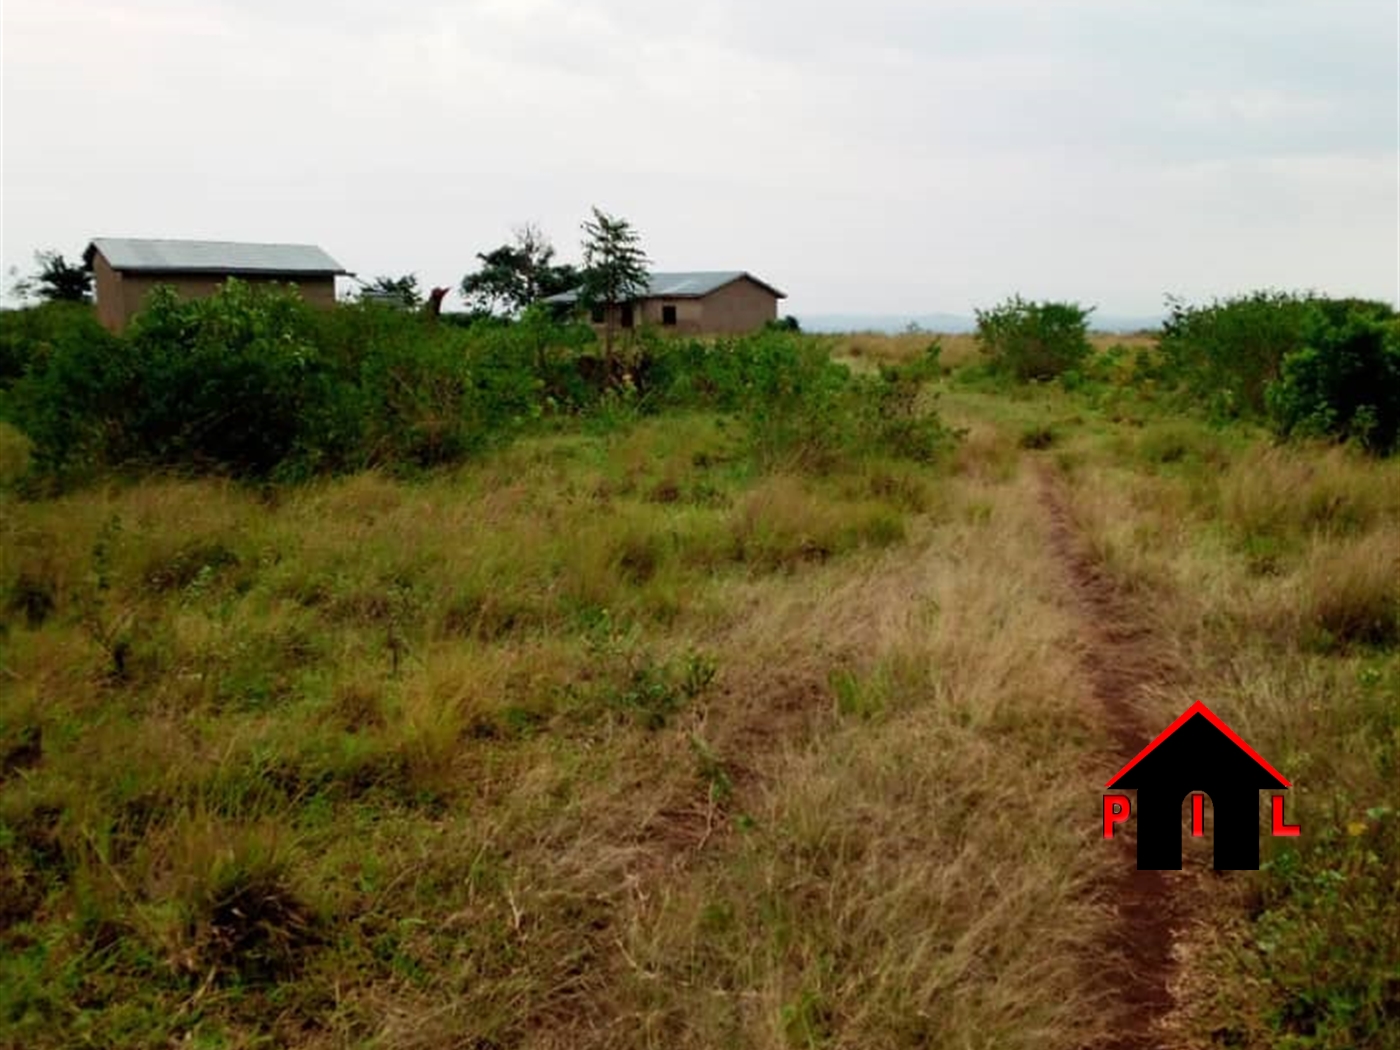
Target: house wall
(690,315)
(107,293)
(121,295)
(740,306)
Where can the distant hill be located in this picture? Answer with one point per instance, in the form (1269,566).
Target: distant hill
(951,324)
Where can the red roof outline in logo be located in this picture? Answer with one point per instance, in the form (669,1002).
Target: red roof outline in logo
(1199,708)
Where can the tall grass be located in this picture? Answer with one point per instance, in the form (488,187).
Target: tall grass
(687,716)
(1274,574)
(546,749)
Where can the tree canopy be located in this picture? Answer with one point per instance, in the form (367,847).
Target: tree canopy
(56,280)
(396,291)
(515,275)
(614,266)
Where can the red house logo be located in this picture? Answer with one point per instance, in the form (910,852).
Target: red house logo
(1197,755)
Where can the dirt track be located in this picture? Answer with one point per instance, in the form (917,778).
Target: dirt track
(1121,659)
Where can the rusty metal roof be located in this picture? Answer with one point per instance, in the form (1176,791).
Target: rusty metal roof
(167,256)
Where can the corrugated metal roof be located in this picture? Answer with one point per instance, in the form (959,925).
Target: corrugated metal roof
(682,285)
(686,284)
(164,256)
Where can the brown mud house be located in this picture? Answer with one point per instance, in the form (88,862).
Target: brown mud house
(724,302)
(126,269)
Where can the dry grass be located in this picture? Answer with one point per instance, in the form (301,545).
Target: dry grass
(870,349)
(1274,574)
(1285,493)
(602,741)
(1351,592)
(616,740)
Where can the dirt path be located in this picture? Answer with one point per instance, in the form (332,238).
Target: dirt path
(1122,658)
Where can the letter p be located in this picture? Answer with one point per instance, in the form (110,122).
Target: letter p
(1116,809)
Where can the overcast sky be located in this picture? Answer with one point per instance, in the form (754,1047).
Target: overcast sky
(889,156)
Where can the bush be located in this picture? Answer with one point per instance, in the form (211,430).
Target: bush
(73,378)
(1030,340)
(1226,354)
(253,383)
(1310,365)
(28,337)
(233,381)
(801,406)
(1345,382)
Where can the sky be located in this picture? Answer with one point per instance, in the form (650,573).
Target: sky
(887,157)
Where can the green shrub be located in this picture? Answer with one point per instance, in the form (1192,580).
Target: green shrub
(29,336)
(1345,382)
(1225,354)
(786,387)
(253,383)
(802,407)
(75,383)
(900,418)
(1034,340)
(233,381)
(1327,939)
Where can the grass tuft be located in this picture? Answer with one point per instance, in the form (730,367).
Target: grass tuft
(1351,593)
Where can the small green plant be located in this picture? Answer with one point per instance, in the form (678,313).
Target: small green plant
(1034,340)
(711,769)
(859,697)
(1327,941)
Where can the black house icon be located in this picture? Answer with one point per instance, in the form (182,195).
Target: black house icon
(1198,752)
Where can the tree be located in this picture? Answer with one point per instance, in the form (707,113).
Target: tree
(57,281)
(394,291)
(516,275)
(614,268)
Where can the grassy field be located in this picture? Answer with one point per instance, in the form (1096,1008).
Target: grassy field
(625,736)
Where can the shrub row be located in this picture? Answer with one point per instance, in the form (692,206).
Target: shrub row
(253,383)
(1308,365)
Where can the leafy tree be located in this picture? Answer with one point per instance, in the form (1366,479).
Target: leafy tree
(394,291)
(614,268)
(57,281)
(516,275)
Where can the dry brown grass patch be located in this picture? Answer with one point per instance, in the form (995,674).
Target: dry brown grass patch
(1351,592)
